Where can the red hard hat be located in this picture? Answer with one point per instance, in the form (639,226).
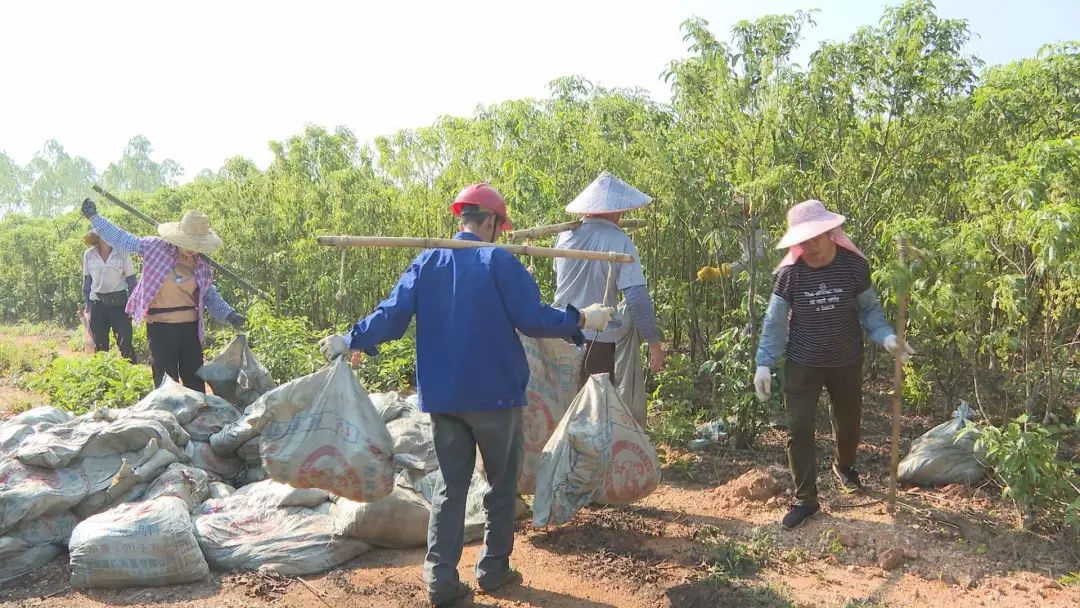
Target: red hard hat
(483,196)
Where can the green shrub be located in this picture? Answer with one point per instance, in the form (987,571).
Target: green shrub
(1024,459)
(20,358)
(79,384)
(393,369)
(672,408)
(730,372)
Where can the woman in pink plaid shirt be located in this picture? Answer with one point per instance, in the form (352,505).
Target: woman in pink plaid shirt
(176,285)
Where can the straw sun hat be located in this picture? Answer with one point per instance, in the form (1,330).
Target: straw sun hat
(807,220)
(191,232)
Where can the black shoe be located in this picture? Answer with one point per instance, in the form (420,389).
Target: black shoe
(512,577)
(798,514)
(848,478)
(459,598)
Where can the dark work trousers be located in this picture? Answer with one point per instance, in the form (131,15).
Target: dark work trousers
(175,350)
(600,359)
(498,434)
(802,388)
(104,319)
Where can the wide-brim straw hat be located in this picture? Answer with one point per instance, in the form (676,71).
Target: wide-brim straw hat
(608,194)
(191,232)
(807,220)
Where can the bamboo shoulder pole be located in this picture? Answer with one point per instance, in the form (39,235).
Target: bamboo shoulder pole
(898,388)
(149,220)
(542,231)
(428,243)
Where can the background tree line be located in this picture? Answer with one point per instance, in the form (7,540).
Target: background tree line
(895,127)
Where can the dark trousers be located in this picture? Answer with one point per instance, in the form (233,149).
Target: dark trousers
(175,350)
(802,388)
(599,359)
(498,434)
(111,318)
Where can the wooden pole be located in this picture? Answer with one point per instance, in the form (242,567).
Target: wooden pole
(542,231)
(898,387)
(149,220)
(428,243)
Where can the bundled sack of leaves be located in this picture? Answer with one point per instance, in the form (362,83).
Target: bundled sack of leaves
(942,455)
(236,375)
(597,453)
(321,431)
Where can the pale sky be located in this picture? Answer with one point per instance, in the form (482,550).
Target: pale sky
(208,80)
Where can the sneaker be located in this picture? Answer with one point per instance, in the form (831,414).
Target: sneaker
(512,577)
(848,478)
(459,598)
(798,514)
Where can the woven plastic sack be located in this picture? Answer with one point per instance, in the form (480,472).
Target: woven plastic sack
(236,375)
(390,405)
(399,521)
(414,443)
(202,456)
(148,543)
(232,436)
(324,433)
(181,481)
(27,492)
(33,544)
(134,472)
(598,453)
(43,415)
(131,431)
(263,496)
(290,540)
(940,457)
(554,366)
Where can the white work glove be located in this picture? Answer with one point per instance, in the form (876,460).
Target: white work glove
(333,345)
(763,383)
(891,344)
(596,316)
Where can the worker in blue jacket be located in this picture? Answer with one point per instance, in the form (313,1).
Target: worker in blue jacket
(471,375)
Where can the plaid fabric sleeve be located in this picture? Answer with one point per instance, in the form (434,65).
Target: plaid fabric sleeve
(117,236)
(216,305)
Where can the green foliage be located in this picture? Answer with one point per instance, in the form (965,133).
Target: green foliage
(1024,457)
(80,384)
(727,558)
(18,357)
(393,369)
(673,409)
(730,372)
(287,346)
(1071,579)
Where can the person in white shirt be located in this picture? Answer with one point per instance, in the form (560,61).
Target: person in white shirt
(108,278)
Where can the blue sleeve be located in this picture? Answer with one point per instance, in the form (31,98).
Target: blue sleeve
(86,281)
(872,317)
(774,332)
(116,236)
(643,313)
(216,305)
(390,318)
(521,299)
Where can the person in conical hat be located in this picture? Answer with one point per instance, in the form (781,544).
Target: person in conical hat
(581,283)
(177,284)
(822,302)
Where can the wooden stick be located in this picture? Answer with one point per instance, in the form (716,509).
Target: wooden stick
(898,388)
(542,231)
(149,220)
(428,243)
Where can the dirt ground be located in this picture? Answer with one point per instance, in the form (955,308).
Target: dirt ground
(954,546)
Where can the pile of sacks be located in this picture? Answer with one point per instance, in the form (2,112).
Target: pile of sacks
(295,479)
